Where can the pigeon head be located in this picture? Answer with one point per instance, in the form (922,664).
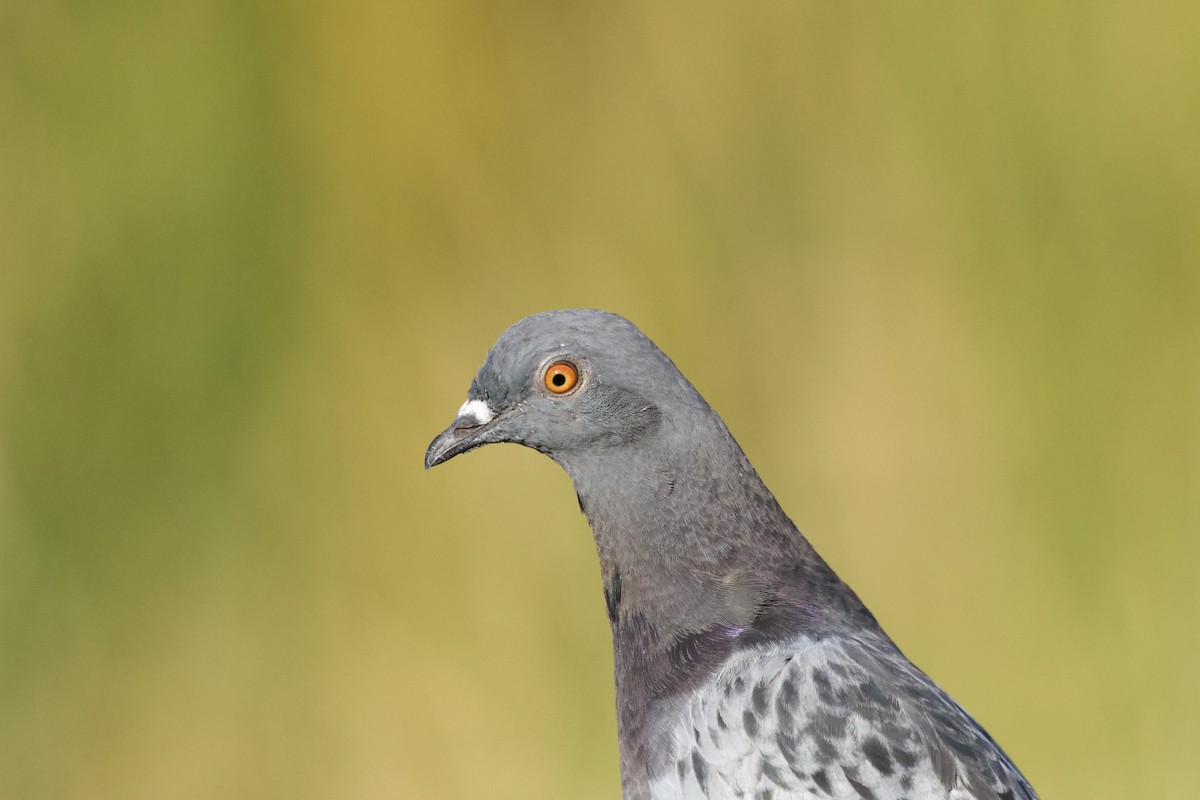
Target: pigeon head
(577,385)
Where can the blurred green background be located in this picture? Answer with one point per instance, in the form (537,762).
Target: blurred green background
(937,265)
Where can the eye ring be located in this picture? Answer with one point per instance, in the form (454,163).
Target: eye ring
(561,377)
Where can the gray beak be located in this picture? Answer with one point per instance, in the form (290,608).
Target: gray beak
(467,432)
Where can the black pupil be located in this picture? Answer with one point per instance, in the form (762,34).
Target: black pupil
(559,379)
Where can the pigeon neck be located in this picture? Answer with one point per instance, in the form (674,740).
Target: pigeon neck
(688,535)
(698,561)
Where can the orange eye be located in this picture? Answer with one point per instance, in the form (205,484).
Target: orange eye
(561,377)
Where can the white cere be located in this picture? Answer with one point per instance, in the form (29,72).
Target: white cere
(478,410)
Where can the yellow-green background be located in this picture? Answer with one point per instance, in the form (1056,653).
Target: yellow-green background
(938,266)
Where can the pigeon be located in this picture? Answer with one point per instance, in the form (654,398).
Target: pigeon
(745,667)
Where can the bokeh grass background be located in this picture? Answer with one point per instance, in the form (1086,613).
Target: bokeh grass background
(937,265)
